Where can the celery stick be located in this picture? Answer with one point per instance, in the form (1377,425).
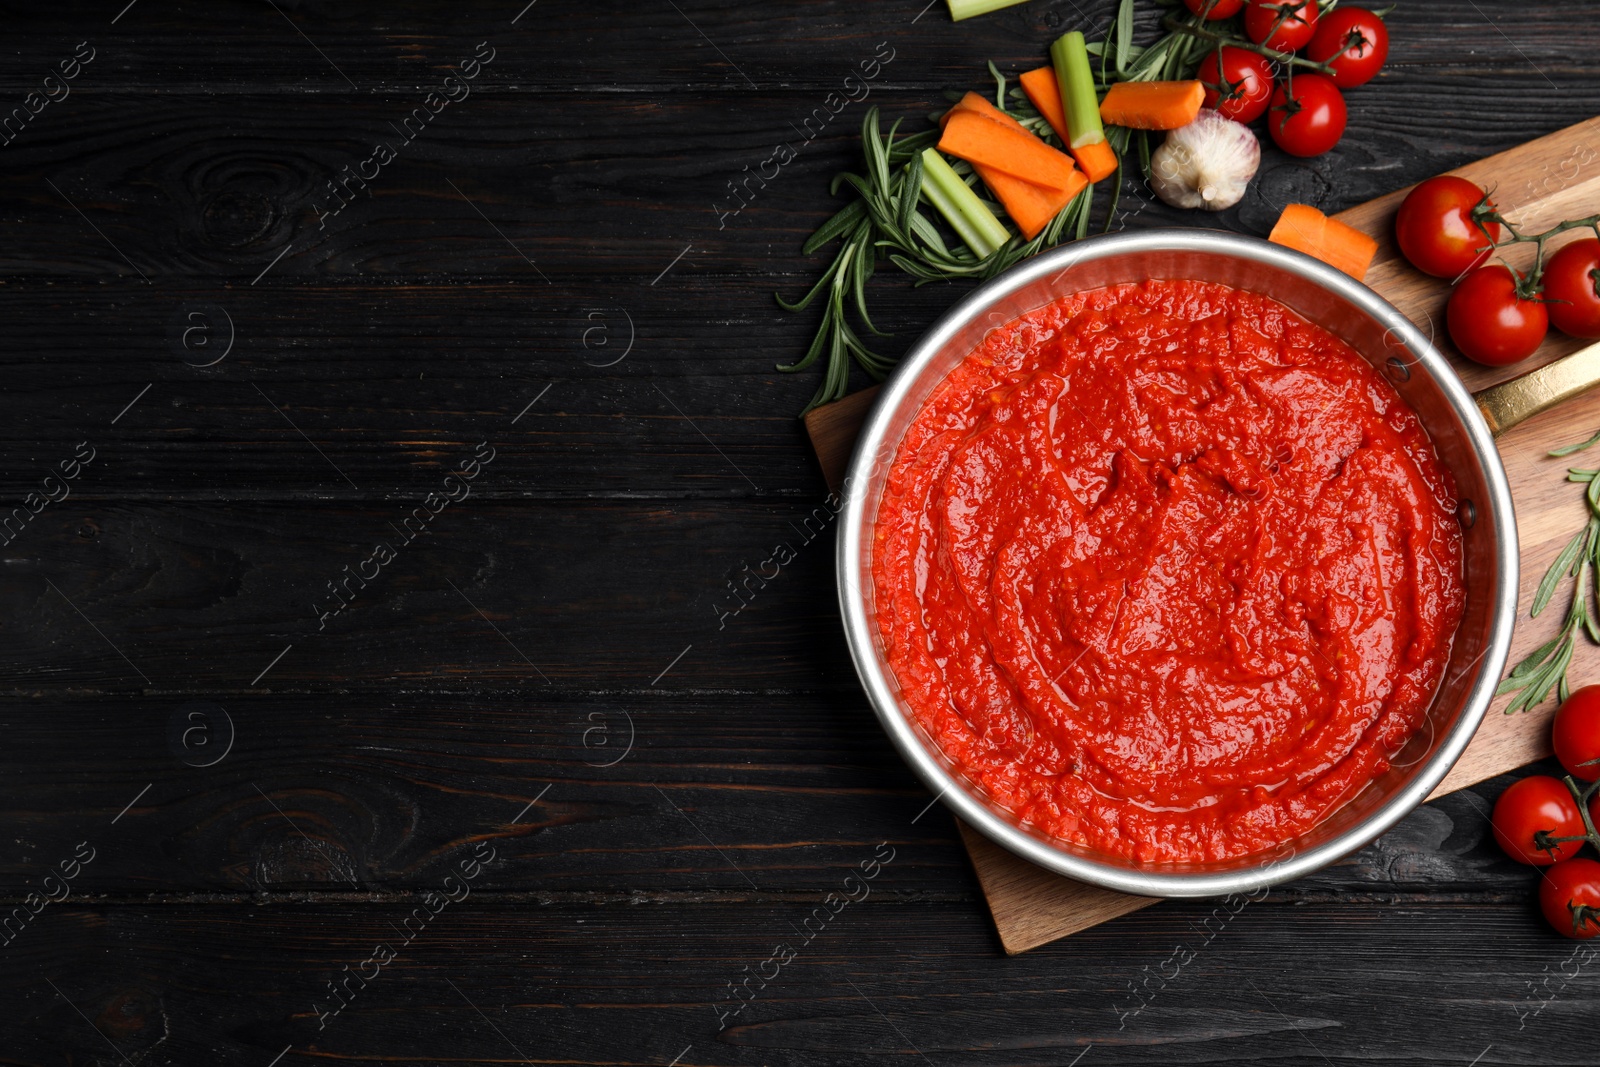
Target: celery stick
(966,9)
(974,223)
(1071,60)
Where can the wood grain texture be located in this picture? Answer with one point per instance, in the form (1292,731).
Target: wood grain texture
(1538,184)
(646,794)
(596,149)
(885,981)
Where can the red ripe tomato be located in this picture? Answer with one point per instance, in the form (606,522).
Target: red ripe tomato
(1569,896)
(1576,730)
(1309,120)
(1490,323)
(1220,9)
(1238,82)
(1572,294)
(1353,41)
(1436,231)
(1287,25)
(1537,803)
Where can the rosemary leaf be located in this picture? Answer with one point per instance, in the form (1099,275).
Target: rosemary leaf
(1568,450)
(841,223)
(1124,33)
(1561,568)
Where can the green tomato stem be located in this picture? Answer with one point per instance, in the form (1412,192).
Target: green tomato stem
(1288,59)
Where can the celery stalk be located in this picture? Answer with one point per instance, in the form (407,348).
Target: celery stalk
(1071,60)
(974,223)
(966,9)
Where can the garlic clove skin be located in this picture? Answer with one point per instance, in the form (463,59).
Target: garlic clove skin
(1207,164)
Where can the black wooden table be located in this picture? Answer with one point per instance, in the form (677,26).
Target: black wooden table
(389,405)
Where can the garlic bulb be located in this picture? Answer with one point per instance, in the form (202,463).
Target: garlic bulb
(1206,164)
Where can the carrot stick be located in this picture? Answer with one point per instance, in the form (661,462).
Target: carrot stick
(1153,105)
(973,102)
(1097,160)
(977,139)
(1044,92)
(1030,206)
(1305,229)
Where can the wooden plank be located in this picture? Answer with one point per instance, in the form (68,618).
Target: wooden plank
(636,184)
(586,389)
(597,797)
(488,981)
(833,429)
(536,594)
(232,46)
(1538,184)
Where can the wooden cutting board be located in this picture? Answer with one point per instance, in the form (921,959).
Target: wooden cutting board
(1536,185)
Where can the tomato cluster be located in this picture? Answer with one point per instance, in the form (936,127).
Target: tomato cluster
(1541,820)
(1448,227)
(1305,112)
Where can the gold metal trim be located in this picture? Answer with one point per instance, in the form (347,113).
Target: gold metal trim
(1521,398)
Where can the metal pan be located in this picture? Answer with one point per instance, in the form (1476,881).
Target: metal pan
(1461,425)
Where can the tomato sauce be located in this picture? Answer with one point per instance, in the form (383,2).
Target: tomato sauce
(1167,571)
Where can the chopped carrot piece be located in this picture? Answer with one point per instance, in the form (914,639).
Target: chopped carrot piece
(1305,229)
(973,102)
(1005,148)
(1153,105)
(1098,160)
(1044,92)
(1031,206)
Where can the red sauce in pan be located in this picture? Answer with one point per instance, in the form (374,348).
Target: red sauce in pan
(1167,571)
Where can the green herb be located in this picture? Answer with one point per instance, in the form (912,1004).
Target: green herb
(884,223)
(1545,668)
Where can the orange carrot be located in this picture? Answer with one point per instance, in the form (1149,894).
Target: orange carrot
(1152,105)
(1030,206)
(1005,148)
(1308,230)
(1098,160)
(1044,91)
(973,102)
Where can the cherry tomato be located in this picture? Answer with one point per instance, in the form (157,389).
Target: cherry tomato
(1238,83)
(1537,803)
(1567,892)
(1436,231)
(1353,41)
(1572,294)
(1287,25)
(1490,323)
(1310,121)
(1221,9)
(1576,733)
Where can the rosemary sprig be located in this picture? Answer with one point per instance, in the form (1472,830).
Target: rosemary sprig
(884,221)
(1545,668)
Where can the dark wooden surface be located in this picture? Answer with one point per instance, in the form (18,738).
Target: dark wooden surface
(553,239)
